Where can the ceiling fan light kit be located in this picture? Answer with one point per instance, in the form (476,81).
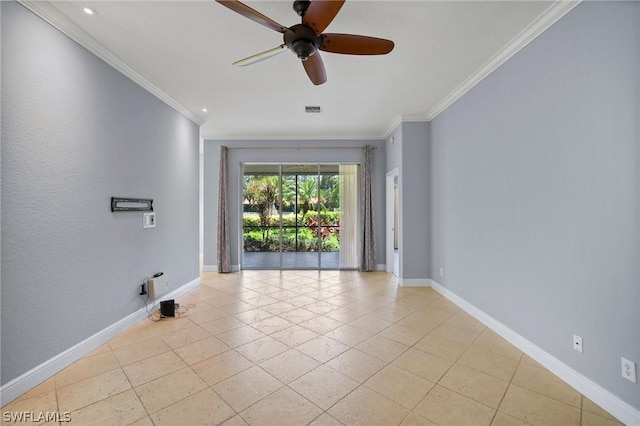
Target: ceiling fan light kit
(302,41)
(307,38)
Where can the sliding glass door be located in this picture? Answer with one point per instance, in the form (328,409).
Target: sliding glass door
(294,216)
(261,223)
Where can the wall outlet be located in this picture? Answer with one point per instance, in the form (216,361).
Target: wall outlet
(629,370)
(442,272)
(577,343)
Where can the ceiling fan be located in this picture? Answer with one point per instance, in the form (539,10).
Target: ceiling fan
(305,39)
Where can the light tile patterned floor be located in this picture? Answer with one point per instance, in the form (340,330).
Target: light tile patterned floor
(308,347)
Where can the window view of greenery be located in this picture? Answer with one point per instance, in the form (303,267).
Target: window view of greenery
(310,209)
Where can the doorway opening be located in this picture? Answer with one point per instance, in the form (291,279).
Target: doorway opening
(300,216)
(394,227)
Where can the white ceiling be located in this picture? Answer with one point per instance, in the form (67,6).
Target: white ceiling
(182,51)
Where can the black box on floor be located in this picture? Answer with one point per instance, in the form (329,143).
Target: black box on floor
(168,308)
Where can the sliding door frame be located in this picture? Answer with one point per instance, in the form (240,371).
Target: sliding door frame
(280,213)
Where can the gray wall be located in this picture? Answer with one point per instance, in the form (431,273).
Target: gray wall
(535,192)
(306,155)
(74,133)
(415,209)
(410,153)
(394,149)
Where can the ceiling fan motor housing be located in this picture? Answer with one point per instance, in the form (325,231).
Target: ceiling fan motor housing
(302,41)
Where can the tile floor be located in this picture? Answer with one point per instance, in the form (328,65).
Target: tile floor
(308,347)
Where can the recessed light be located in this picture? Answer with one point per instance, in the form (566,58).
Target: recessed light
(89,11)
(204,110)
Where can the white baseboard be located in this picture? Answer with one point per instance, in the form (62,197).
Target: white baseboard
(381,267)
(32,378)
(605,399)
(414,282)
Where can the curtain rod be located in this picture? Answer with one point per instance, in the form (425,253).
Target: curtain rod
(299,147)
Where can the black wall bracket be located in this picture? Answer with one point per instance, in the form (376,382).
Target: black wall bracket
(131,204)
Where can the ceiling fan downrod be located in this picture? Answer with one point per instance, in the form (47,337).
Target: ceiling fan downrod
(301,6)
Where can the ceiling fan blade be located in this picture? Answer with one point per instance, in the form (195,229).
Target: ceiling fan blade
(352,44)
(252,14)
(260,56)
(315,69)
(320,14)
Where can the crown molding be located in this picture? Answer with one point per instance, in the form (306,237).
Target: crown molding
(56,19)
(399,119)
(549,17)
(395,122)
(299,137)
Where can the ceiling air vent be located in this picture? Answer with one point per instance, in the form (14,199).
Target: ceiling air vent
(312,109)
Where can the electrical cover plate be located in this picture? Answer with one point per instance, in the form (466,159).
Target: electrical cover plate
(577,343)
(629,370)
(148,220)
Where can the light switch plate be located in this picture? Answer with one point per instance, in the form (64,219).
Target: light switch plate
(148,220)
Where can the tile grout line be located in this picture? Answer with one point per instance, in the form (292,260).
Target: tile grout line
(449,369)
(370,303)
(520,361)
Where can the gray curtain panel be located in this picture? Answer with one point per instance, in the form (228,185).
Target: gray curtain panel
(368,237)
(223,219)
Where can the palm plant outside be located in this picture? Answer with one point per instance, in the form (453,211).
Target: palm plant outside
(261,195)
(300,228)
